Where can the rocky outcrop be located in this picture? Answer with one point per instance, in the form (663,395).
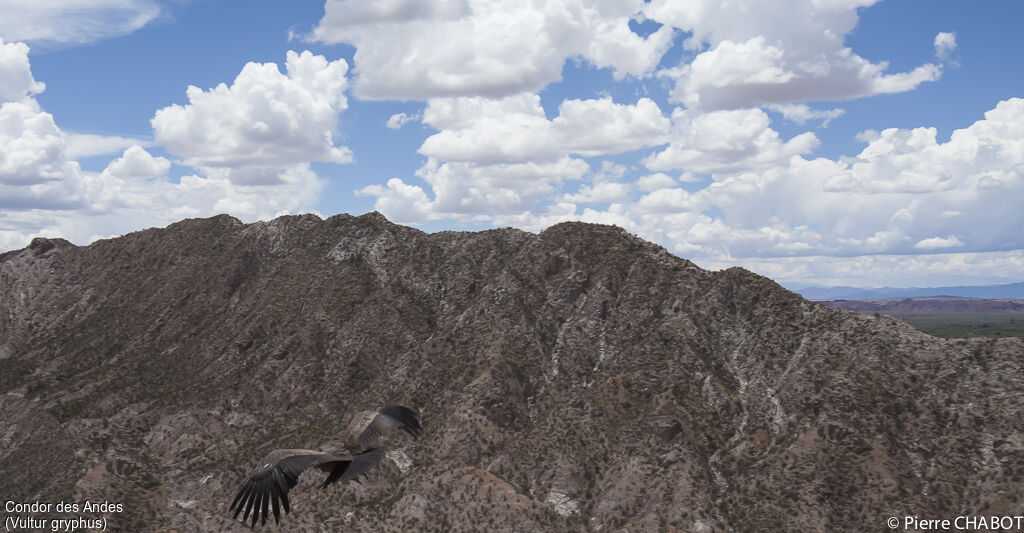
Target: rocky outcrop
(579,379)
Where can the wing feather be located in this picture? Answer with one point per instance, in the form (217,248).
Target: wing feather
(260,498)
(388,419)
(253,493)
(242,493)
(268,485)
(275,500)
(266,502)
(280,481)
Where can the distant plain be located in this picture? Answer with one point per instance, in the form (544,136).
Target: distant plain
(963,325)
(946,316)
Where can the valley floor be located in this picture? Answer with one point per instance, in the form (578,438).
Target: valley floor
(963,325)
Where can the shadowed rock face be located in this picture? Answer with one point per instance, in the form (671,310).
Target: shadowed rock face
(576,380)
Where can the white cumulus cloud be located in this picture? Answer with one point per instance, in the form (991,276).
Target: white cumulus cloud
(31,145)
(263,119)
(515,129)
(934,243)
(482,130)
(905,192)
(945,43)
(402,203)
(439,48)
(44,191)
(726,141)
(496,157)
(765,204)
(600,126)
(398,120)
(604,192)
(16,81)
(652,182)
(136,162)
(753,52)
(466,189)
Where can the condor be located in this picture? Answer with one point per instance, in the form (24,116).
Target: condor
(267,487)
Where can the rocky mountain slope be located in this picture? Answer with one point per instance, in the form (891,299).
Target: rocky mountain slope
(577,380)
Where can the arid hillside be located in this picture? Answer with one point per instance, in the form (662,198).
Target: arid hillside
(580,379)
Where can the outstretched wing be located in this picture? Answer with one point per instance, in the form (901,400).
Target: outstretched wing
(359,465)
(388,419)
(268,485)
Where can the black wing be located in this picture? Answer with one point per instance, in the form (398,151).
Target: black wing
(359,465)
(268,485)
(388,419)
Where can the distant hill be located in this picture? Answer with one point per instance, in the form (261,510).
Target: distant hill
(948,317)
(1013,291)
(896,306)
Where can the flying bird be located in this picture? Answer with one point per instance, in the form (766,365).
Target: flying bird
(267,487)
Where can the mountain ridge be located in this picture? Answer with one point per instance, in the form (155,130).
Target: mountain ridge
(1006,291)
(929,305)
(579,379)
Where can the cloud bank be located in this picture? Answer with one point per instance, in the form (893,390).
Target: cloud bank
(44,191)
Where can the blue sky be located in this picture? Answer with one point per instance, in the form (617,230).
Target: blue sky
(811,141)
